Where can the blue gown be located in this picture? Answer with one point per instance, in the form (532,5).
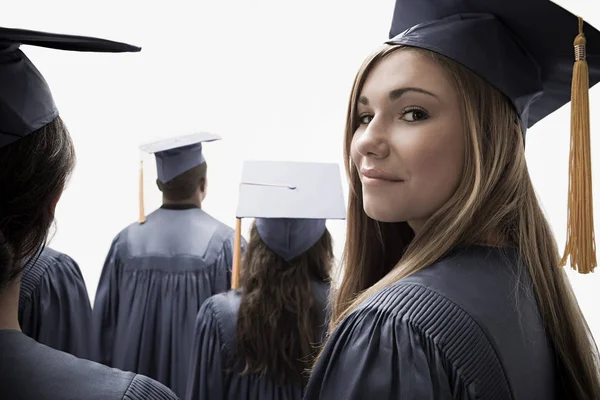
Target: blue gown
(155,279)
(32,371)
(215,372)
(467,327)
(54,307)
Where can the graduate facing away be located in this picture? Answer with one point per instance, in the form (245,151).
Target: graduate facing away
(258,342)
(161,269)
(54,306)
(36,160)
(453,286)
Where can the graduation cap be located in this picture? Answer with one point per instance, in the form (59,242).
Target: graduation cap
(525,50)
(26,103)
(291,202)
(174,156)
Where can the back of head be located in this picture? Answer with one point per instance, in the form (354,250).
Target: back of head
(279,319)
(185,185)
(33,173)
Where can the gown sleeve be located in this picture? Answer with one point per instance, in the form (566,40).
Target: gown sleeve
(57,311)
(375,356)
(409,342)
(207,363)
(105,312)
(386,352)
(144,388)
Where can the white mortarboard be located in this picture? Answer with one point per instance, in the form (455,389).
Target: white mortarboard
(290,201)
(288,189)
(176,155)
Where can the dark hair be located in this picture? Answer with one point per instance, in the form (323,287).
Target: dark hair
(184,185)
(279,320)
(33,173)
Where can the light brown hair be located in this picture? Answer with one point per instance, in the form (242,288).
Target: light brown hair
(495,201)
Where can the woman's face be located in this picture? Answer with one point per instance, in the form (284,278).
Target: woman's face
(409,144)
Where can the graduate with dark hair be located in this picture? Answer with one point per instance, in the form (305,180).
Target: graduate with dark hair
(54,306)
(159,271)
(37,157)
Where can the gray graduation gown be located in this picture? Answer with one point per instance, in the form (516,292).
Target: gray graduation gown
(467,327)
(32,371)
(54,307)
(215,372)
(155,278)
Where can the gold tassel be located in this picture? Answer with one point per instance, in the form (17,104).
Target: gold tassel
(237,255)
(580,248)
(142,217)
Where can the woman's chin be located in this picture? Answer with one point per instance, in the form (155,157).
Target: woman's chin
(383,214)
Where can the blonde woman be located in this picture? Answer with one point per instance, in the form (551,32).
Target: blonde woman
(452,287)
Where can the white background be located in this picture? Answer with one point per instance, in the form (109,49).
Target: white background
(271,77)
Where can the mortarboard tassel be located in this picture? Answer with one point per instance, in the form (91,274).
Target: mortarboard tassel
(580,248)
(237,253)
(142,217)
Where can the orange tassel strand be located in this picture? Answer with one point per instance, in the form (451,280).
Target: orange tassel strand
(237,255)
(580,248)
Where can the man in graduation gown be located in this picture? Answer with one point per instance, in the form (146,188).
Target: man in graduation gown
(54,306)
(160,270)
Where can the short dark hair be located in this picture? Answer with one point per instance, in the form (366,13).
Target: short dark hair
(184,185)
(33,173)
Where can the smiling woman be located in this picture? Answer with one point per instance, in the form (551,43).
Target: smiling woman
(452,287)
(408,143)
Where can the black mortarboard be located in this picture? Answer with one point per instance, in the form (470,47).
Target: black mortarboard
(525,50)
(26,102)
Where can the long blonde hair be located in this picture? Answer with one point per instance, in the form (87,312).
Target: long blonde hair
(495,198)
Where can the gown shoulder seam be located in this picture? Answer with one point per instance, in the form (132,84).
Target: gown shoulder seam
(449,328)
(219,313)
(32,278)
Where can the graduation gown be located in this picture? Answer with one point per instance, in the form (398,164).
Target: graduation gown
(467,327)
(155,278)
(32,371)
(215,372)
(54,307)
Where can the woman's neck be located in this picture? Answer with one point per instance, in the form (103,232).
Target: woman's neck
(9,307)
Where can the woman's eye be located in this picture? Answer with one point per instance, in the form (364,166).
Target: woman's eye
(365,119)
(414,115)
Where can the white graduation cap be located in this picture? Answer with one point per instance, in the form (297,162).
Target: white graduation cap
(291,202)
